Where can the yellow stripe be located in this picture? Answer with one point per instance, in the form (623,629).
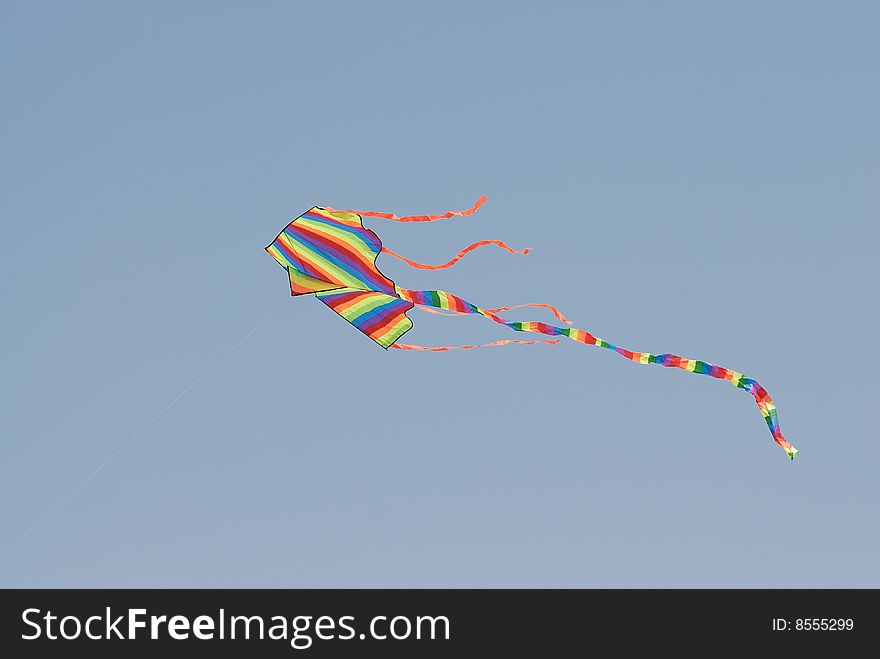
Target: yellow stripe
(352,219)
(309,284)
(367,303)
(395,331)
(278,256)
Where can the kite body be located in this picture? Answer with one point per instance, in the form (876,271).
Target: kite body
(330,254)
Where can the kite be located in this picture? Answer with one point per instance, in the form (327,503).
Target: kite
(329,253)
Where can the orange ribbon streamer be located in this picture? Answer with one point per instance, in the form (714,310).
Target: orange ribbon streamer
(407,346)
(455,259)
(456,314)
(419,218)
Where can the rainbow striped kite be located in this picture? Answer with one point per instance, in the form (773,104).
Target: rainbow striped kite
(330,254)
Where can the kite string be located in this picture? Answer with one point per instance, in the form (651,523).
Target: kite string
(416,218)
(449,302)
(457,257)
(125,444)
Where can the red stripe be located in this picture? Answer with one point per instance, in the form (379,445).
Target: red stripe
(356,257)
(460,305)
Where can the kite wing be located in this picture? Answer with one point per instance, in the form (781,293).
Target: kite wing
(331,255)
(325,249)
(380,316)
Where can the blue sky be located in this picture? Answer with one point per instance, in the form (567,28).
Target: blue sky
(692,179)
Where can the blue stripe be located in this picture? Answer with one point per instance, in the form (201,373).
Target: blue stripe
(360,232)
(287,255)
(380,311)
(337,258)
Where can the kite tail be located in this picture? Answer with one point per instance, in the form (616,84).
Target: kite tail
(449,302)
(407,346)
(418,218)
(454,314)
(457,257)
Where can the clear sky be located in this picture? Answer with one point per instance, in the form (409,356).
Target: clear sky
(693,179)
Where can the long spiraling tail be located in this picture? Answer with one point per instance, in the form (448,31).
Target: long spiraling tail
(451,303)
